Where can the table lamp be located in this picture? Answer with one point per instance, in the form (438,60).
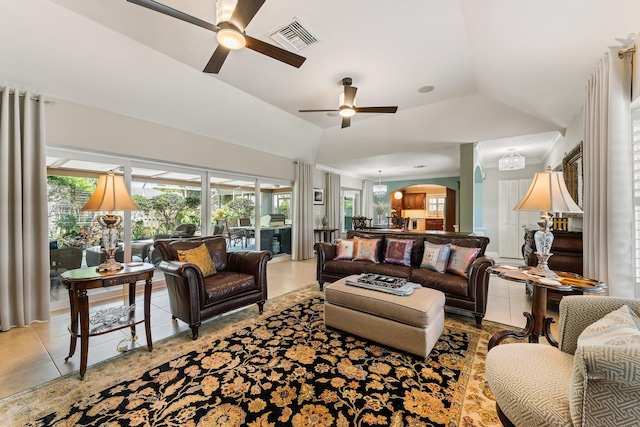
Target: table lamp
(548,193)
(110,195)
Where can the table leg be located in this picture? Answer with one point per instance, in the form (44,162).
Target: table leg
(73,327)
(83,308)
(132,300)
(147,312)
(538,324)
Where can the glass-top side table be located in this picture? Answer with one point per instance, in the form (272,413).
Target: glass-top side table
(80,280)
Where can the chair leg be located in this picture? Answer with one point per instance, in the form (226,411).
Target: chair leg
(194,331)
(479,318)
(503,418)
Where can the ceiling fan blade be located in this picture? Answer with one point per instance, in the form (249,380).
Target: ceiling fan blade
(376,109)
(275,52)
(346,122)
(216,60)
(350,95)
(318,111)
(174,13)
(244,12)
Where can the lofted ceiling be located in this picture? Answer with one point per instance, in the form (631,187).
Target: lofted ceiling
(505,73)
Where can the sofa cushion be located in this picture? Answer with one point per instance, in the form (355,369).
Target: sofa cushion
(226,285)
(448,283)
(345,267)
(366,249)
(435,257)
(344,249)
(538,398)
(398,251)
(217,249)
(199,256)
(460,259)
(416,250)
(603,362)
(386,269)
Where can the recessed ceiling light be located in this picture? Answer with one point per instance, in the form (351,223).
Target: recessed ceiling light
(426,89)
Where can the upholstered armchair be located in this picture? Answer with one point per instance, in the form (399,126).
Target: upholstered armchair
(197,292)
(591,379)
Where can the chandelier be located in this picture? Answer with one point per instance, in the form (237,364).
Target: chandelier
(511,161)
(379,190)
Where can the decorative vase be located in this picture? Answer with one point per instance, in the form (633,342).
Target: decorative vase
(325,222)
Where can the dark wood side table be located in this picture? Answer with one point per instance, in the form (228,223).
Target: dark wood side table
(326,233)
(80,280)
(538,324)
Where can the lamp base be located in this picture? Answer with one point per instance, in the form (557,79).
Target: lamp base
(542,269)
(109,265)
(544,239)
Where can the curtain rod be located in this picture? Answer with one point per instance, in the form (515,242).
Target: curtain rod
(626,49)
(12,91)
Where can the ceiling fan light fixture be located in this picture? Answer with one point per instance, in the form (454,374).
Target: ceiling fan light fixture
(346,111)
(231,38)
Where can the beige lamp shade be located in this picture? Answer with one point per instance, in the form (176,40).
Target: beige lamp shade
(548,192)
(110,195)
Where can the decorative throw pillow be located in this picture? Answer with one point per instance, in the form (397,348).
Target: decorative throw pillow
(199,256)
(344,250)
(435,257)
(366,249)
(398,251)
(460,259)
(602,345)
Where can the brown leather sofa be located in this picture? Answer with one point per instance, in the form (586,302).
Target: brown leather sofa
(469,294)
(241,279)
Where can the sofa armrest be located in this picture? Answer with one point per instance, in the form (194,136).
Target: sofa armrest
(324,252)
(579,311)
(187,276)
(479,281)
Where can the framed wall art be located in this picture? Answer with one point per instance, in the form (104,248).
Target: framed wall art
(318,196)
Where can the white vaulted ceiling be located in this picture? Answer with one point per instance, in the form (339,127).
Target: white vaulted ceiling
(500,68)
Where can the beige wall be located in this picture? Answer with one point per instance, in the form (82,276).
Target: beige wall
(79,126)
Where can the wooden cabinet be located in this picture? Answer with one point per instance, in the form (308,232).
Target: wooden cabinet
(396,205)
(434,224)
(414,201)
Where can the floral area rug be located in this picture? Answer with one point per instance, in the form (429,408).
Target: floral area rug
(285,369)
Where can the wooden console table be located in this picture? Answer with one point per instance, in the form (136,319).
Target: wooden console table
(538,324)
(80,280)
(326,233)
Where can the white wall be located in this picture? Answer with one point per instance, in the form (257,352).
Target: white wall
(572,137)
(79,126)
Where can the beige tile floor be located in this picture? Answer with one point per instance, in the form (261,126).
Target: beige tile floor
(34,355)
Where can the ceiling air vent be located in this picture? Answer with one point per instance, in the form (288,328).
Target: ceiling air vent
(294,36)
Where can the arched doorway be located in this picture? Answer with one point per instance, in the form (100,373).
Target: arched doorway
(428,206)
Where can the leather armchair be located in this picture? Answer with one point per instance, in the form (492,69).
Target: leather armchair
(241,280)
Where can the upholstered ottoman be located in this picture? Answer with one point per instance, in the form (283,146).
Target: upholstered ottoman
(411,323)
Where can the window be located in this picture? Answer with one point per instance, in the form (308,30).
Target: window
(436,206)
(170,197)
(282,204)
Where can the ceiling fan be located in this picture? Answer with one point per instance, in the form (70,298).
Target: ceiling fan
(348,107)
(232,17)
